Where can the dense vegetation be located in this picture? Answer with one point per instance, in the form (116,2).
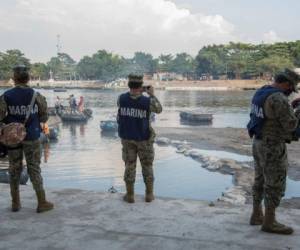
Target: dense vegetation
(233,60)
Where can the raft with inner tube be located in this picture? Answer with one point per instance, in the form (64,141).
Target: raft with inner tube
(67,116)
(5,178)
(194,117)
(109,126)
(52,136)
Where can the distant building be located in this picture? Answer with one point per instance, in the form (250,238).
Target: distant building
(148,76)
(168,76)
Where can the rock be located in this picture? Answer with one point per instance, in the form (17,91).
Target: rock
(235,195)
(163,141)
(176,143)
(231,164)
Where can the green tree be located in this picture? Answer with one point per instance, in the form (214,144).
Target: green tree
(143,63)
(63,66)
(101,66)
(39,71)
(183,64)
(8,60)
(273,64)
(165,62)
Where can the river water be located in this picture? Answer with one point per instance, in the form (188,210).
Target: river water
(85,158)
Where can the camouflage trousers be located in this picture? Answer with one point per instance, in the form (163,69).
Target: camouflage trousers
(145,151)
(271,164)
(32,152)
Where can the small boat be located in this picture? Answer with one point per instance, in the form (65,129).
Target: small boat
(59,90)
(5,178)
(88,112)
(194,116)
(109,126)
(53,136)
(51,111)
(73,117)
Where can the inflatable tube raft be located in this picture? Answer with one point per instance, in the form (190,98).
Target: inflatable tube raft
(194,116)
(73,117)
(109,126)
(4,176)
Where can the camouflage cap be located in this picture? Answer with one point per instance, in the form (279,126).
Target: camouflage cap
(21,74)
(20,69)
(292,77)
(135,81)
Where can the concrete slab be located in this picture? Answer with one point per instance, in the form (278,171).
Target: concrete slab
(92,220)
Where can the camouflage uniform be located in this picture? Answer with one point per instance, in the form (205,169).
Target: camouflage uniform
(143,149)
(31,149)
(270,153)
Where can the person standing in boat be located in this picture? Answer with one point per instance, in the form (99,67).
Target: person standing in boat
(58,105)
(272,124)
(137,135)
(80,105)
(13,104)
(73,104)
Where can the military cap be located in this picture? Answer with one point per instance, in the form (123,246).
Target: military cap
(292,77)
(19,69)
(135,81)
(21,73)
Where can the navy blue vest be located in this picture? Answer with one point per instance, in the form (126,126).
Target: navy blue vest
(257,115)
(133,117)
(18,100)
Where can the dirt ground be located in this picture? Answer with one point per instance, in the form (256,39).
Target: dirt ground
(95,220)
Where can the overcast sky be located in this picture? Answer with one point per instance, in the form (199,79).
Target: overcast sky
(155,26)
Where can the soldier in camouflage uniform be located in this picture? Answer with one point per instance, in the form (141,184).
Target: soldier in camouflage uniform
(273,123)
(13,107)
(137,135)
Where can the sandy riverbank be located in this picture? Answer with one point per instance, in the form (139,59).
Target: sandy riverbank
(94,220)
(216,85)
(234,140)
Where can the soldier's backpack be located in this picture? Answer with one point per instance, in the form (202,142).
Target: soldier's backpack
(14,133)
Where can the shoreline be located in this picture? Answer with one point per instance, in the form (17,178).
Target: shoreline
(229,140)
(213,85)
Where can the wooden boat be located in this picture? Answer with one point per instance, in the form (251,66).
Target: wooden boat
(4,176)
(194,116)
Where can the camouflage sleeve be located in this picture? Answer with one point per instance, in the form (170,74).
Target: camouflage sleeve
(43,109)
(283,111)
(3,108)
(118,102)
(297,112)
(155,105)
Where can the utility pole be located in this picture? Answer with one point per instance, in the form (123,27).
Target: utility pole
(58,45)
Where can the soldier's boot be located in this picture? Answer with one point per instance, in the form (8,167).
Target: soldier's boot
(149,192)
(129,196)
(257,216)
(15,197)
(270,225)
(43,204)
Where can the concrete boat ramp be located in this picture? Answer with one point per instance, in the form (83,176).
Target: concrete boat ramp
(92,220)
